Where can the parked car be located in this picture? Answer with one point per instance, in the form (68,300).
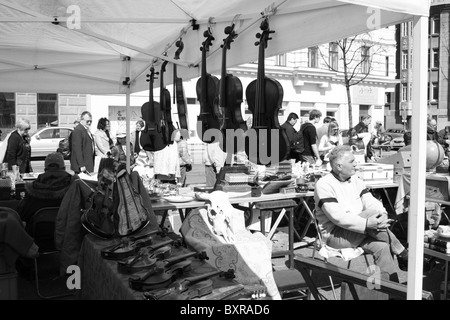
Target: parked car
(391,139)
(46,140)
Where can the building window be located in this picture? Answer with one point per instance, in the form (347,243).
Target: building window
(435,58)
(313,58)
(365,59)
(47,109)
(404,59)
(435,91)
(280,60)
(7,110)
(435,25)
(404,29)
(387,66)
(404,92)
(334,56)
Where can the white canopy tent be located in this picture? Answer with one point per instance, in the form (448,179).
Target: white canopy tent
(107,47)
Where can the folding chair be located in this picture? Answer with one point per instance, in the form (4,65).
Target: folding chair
(42,228)
(326,251)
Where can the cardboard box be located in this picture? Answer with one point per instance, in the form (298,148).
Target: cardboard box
(375,173)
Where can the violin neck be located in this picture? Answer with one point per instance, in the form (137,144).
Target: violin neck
(204,80)
(223,79)
(260,88)
(150,94)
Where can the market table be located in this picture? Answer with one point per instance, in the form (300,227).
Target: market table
(164,205)
(100,279)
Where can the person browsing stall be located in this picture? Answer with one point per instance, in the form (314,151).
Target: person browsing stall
(103,143)
(214,159)
(83,146)
(350,216)
(16,150)
(311,152)
(288,127)
(183,155)
(136,136)
(330,140)
(120,150)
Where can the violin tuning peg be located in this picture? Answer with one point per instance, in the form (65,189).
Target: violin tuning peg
(257,43)
(258,35)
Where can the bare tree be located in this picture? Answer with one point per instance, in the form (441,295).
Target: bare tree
(356,54)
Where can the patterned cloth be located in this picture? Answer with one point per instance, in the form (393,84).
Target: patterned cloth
(249,255)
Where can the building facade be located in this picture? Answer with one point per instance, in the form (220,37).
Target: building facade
(438,67)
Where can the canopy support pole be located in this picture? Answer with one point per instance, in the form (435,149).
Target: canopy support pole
(127,61)
(416,214)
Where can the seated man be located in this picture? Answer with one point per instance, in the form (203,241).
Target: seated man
(48,189)
(349,215)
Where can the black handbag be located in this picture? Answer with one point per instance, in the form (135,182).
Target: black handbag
(188,167)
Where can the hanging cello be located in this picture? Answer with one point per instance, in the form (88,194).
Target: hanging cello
(179,96)
(230,101)
(207,88)
(151,138)
(264,97)
(166,110)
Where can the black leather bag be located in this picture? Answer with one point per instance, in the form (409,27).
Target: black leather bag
(188,167)
(98,217)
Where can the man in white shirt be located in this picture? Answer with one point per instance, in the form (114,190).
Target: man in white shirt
(350,216)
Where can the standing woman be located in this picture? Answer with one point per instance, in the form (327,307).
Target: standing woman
(16,153)
(183,155)
(103,143)
(330,140)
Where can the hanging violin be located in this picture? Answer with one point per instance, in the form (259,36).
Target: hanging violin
(166,112)
(264,97)
(151,138)
(179,95)
(230,101)
(207,88)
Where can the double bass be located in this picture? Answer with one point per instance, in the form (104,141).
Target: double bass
(264,97)
(207,88)
(166,110)
(179,97)
(230,101)
(151,138)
